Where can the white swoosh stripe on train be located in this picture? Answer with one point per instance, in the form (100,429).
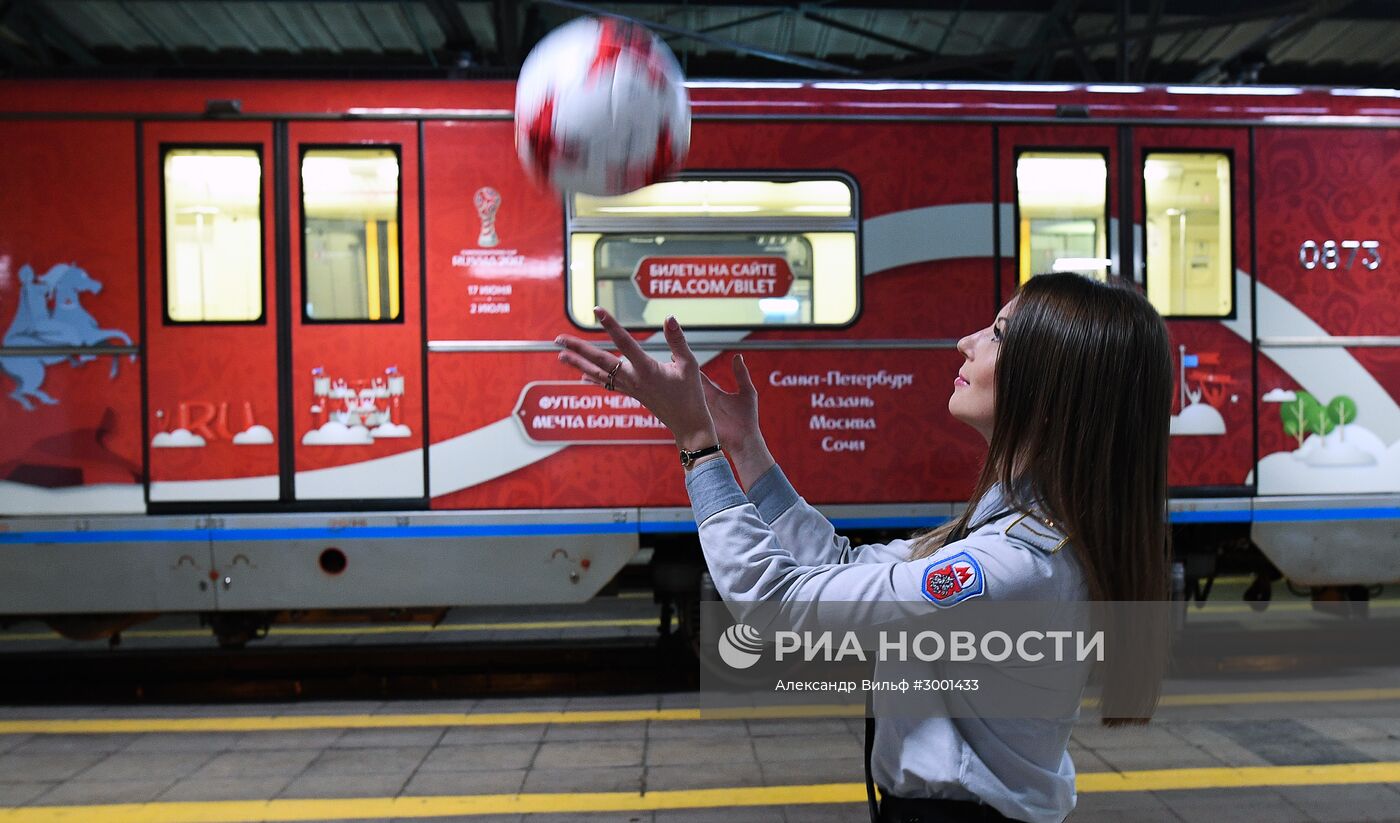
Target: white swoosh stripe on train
(891,240)
(901,238)
(1324,372)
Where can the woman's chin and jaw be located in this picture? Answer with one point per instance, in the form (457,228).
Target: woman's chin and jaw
(967,409)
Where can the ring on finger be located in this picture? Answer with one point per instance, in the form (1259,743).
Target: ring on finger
(612,375)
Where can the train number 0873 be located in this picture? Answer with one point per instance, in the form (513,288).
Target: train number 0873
(1330,253)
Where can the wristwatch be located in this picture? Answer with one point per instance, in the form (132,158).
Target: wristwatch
(688,458)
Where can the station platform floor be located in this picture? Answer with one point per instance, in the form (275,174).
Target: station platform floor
(654,759)
(1298,749)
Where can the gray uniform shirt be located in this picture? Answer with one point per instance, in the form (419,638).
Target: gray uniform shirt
(772,545)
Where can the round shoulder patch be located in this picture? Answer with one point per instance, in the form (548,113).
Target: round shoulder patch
(951,580)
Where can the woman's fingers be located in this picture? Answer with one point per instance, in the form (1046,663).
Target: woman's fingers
(586,351)
(675,338)
(741,374)
(625,342)
(588,369)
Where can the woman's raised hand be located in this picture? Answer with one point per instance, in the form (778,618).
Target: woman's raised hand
(736,422)
(671,391)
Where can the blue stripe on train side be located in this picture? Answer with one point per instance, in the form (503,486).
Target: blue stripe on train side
(1313,515)
(887,522)
(1299,515)
(1219,516)
(688,526)
(1287,515)
(316,533)
(667,527)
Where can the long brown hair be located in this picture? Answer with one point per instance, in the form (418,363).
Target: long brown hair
(1080,426)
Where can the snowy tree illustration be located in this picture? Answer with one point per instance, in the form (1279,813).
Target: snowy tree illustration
(1341,411)
(1304,415)
(1297,416)
(1319,418)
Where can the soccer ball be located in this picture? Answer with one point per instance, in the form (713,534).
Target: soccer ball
(601,108)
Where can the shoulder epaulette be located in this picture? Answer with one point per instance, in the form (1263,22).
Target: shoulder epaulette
(1037,531)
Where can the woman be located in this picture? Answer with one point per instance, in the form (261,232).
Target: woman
(1071,386)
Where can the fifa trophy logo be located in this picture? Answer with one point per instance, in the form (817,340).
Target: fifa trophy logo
(488,202)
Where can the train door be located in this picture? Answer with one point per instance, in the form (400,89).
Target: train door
(357,351)
(1185,191)
(211,312)
(283,313)
(1191,241)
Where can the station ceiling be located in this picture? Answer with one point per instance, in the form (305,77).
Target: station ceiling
(1330,42)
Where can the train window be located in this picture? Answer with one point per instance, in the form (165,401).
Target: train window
(718,252)
(1190,265)
(213,235)
(350,201)
(1062,213)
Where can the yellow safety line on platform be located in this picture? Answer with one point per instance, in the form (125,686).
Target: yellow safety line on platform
(1286,606)
(407,628)
(1301,696)
(236,811)
(375,721)
(142,725)
(1238,777)
(1251,698)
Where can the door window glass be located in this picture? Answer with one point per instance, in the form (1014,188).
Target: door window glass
(1188,210)
(350,201)
(213,235)
(729,252)
(1062,213)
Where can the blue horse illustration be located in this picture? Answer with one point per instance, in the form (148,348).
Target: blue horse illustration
(67,323)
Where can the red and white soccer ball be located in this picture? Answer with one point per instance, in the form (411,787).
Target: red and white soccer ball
(601,108)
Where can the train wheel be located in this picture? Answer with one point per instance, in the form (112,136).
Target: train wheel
(688,611)
(1179,596)
(688,614)
(1259,593)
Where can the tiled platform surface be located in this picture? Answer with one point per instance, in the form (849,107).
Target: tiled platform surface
(39,770)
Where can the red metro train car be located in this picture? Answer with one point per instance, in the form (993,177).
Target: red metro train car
(283,346)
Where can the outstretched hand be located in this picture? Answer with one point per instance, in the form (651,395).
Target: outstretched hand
(735,413)
(735,416)
(671,391)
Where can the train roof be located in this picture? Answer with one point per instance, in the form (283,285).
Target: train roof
(769,99)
